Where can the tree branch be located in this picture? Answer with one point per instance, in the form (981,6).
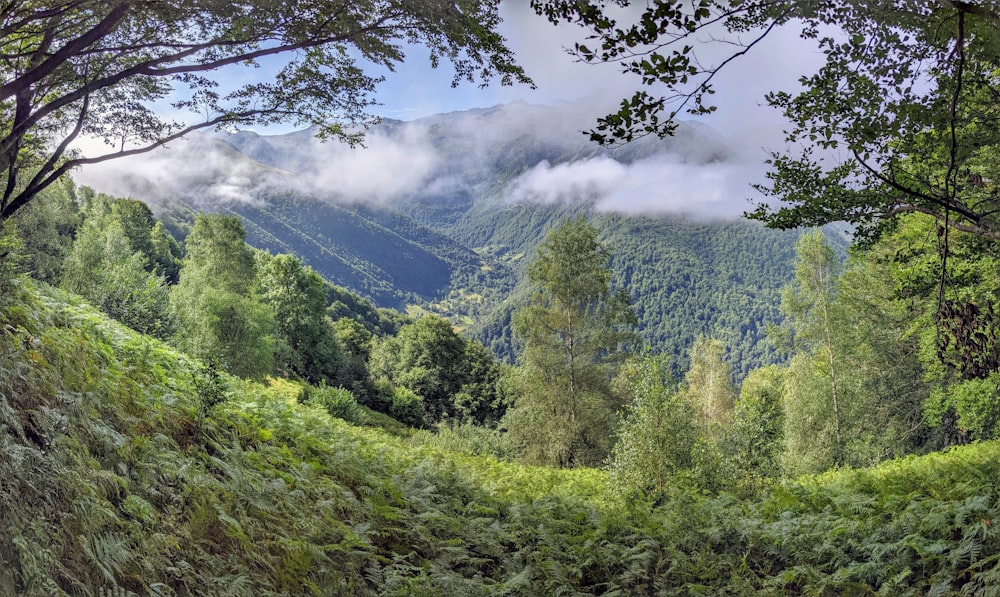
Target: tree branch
(147,68)
(973,9)
(968,228)
(72,48)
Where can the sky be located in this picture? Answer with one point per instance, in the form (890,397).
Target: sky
(415,90)
(672,184)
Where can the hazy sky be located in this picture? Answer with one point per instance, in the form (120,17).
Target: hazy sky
(415,90)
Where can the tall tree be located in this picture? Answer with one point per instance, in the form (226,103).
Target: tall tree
(855,392)
(575,333)
(219,316)
(808,303)
(307,345)
(99,67)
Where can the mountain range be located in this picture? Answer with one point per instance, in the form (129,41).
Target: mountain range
(443,213)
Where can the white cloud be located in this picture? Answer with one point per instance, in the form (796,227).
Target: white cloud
(208,170)
(658,185)
(383,170)
(196,164)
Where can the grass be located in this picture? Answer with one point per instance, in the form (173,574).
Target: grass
(115,480)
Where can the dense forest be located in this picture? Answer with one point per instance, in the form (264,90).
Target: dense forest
(456,245)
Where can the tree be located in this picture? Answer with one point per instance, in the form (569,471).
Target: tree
(575,332)
(355,346)
(657,432)
(302,329)
(808,303)
(901,117)
(219,317)
(961,378)
(884,376)
(105,268)
(165,258)
(100,68)
(709,393)
(708,384)
(46,229)
(854,393)
(756,433)
(483,399)
(454,378)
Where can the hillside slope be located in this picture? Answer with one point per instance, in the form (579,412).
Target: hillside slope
(443,213)
(119,477)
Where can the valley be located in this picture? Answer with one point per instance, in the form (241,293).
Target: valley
(453,235)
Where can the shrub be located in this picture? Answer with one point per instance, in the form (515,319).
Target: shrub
(471,439)
(407,407)
(338,402)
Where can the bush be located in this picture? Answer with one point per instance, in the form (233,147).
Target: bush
(338,402)
(471,439)
(407,407)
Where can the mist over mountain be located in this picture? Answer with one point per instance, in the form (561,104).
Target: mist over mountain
(443,213)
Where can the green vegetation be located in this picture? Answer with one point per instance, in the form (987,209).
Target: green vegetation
(576,332)
(114,484)
(463,253)
(191,416)
(133,468)
(451,377)
(220,314)
(685,278)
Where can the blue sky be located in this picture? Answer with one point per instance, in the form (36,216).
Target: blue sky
(416,90)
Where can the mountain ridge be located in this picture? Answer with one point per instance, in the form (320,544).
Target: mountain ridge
(453,205)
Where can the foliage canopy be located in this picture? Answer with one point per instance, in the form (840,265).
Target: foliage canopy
(575,332)
(104,68)
(902,116)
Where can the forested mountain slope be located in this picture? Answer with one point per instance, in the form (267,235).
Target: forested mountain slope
(434,214)
(686,277)
(130,470)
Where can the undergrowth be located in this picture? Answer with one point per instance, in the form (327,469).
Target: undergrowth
(128,469)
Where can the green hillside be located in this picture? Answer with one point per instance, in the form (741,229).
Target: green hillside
(457,245)
(686,277)
(124,474)
(383,256)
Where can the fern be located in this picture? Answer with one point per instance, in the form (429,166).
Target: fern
(108,554)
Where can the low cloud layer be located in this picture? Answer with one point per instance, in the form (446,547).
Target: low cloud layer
(660,185)
(384,170)
(208,170)
(396,166)
(196,165)
(697,173)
